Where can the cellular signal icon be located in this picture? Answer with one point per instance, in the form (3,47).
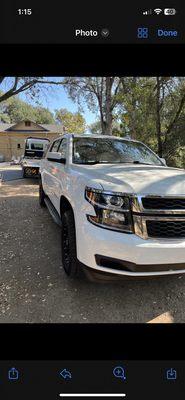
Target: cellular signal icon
(158,11)
(147,12)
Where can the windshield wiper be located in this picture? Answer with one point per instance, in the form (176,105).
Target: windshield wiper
(112,162)
(140,162)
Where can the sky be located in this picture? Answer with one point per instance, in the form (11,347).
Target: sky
(56,98)
(59,99)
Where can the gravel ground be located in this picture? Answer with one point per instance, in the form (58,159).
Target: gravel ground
(34,288)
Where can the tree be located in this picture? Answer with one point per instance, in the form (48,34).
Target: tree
(136,108)
(14,110)
(31,85)
(99,94)
(43,116)
(72,122)
(153,110)
(117,129)
(95,128)
(170,102)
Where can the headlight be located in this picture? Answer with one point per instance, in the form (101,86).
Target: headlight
(112,210)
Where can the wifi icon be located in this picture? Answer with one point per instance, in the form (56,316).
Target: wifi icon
(158,11)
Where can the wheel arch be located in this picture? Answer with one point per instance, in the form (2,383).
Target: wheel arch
(65,205)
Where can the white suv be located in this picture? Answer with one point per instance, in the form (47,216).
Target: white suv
(121,209)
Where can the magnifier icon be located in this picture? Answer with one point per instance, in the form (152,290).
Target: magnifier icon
(119,372)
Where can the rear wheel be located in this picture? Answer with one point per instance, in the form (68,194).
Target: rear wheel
(41,194)
(68,245)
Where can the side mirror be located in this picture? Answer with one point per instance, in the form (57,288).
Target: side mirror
(163,160)
(56,157)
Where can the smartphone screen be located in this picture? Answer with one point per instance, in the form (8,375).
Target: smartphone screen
(92,199)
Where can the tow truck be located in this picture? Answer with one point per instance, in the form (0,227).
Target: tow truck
(34,150)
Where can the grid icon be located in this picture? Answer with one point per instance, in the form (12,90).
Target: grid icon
(142,33)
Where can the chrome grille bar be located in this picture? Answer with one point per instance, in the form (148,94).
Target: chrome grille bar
(141,215)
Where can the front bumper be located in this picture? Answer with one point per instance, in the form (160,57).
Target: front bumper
(129,255)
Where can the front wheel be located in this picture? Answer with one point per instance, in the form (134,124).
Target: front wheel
(68,245)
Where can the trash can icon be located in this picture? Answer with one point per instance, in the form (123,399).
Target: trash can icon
(13,374)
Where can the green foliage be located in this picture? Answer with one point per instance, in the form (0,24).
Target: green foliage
(72,122)
(43,116)
(140,108)
(15,110)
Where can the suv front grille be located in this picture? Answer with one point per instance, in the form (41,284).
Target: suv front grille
(166,229)
(159,203)
(159,216)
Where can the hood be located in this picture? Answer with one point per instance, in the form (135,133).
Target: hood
(140,179)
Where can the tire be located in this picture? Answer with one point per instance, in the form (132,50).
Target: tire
(41,194)
(68,245)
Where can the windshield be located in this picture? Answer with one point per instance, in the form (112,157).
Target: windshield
(104,150)
(37,146)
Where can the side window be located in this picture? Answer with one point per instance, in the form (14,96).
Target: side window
(55,145)
(63,147)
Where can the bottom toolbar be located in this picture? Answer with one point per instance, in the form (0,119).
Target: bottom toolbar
(92,379)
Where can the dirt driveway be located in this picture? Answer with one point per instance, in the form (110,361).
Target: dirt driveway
(34,288)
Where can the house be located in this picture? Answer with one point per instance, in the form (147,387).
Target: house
(12,136)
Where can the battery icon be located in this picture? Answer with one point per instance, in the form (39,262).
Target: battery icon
(170,11)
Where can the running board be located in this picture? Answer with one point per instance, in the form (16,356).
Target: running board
(53,212)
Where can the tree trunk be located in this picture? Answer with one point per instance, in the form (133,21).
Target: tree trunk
(108,106)
(103,123)
(133,112)
(158,119)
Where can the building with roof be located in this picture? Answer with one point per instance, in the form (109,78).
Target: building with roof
(12,136)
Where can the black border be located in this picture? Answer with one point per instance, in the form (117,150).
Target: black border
(90,59)
(92,341)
